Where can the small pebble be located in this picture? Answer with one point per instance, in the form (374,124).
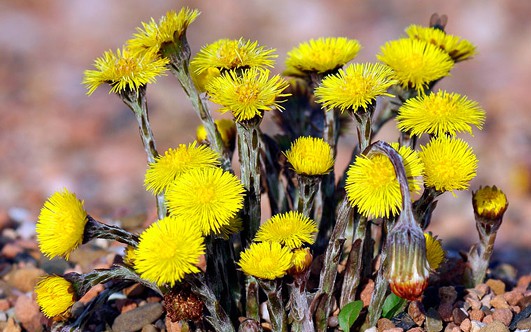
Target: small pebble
(482,289)
(524,324)
(476,314)
(495,326)
(476,326)
(524,282)
(513,296)
(499,302)
(384,324)
(394,329)
(149,328)
(485,301)
(366,293)
(416,329)
(416,312)
(459,315)
(452,327)
(447,294)
(445,311)
(433,321)
(503,315)
(466,325)
(497,286)
(137,318)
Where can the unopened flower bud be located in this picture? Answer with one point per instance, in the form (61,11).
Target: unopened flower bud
(490,203)
(301,261)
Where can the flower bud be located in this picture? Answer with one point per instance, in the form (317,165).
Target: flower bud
(490,203)
(301,261)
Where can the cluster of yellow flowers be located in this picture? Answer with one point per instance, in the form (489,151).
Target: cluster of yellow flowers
(200,199)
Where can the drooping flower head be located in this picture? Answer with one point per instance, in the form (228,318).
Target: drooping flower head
(227,54)
(161,173)
(372,185)
(459,49)
(434,251)
(124,71)
(292,229)
(266,260)
(153,35)
(208,197)
(449,164)
(310,156)
(490,203)
(168,250)
(415,63)
(248,94)
(439,114)
(322,55)
(227,131)
(55,296)
(61,224)
(355,87)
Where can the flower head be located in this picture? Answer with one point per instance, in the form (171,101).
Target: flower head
(161,173)
(434,251)
(124,71)
(247,95)
(449,164)
(266,260)
(310,156)
(458,49)
(168,250)
(415,62)
(490,203)
(357,86)
(227,131)
(322,55)
(373,187)
(61,224)
(55,295)
(227,54)
(301,261)
(152,36)
(129,255)
(201,79)
(209,197)
(439,114)
(292,229)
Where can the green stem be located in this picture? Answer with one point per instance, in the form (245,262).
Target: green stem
(308,187)
(300,311)
(275,306)
(95,229)
(363,118)
(424,206)
(252,304)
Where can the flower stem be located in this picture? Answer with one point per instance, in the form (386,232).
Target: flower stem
(424,206)
(300,311)
(275,304)
(251,299)
(480,254)
(95,229)
(308,187)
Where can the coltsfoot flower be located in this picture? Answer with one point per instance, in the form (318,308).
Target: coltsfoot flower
(490,203)
(61,225)
(439,114)
(227,54)
(310,156)
(208,197)
(168,250)
(322,55)
(434,251)
(266,260)
(301,261)
(55,295)
(415,63)
(124,71)
(449,164)
(226,128)
(175,162)
(247,94)
(355,87)
(292,229)
(372,185)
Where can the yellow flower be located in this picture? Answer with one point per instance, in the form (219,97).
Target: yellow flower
(266,260)
(151,36)
(439,114)
(161,173)
(209,197)
(415,62)
(61,225)
(449,164)
(55,295)
(124,71)
(310,156)
(292,229)
(233,54)
(247,95)
(129,256)
(489,202)
(201,80)
(458,49)
(372,185)
(301,261)
(357,86)
(322,55)
(168,250)
(226,128)
(434,251)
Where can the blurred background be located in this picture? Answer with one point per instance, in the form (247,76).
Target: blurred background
(53,136)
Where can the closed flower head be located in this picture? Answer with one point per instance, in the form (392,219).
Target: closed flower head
(415,63)
(55,295)
(310,156)
(124,71)
(61,225)
(490,203)
(266,260)
(227,54)
(372,185)
(301,261)
(449,164)
(208,197)
(248,94)
(434,251)
(439,114)
(459,49)
(355,87)
(161,173)
(322,55)
(168,250)
(292,229)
